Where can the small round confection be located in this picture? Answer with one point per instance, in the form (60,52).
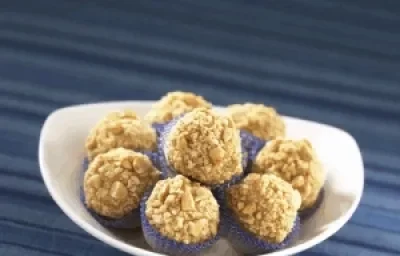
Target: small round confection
(115,182)
(204,146)
(173,104)
(257,119)
(120,129)
(180,217)
(261,213)
(296,162)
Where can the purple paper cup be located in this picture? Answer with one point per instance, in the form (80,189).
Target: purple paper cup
(244,241)
(252,145)
(163,244)
(158,127)
(309,212)
(168,171)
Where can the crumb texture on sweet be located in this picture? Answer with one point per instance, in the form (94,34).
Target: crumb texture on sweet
(296,162)
(265,205)
(260,120)
(120,129)
(205,146)
(183,211)
(115,182)
(174,104)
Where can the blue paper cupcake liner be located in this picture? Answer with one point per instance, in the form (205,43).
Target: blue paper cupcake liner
(307,213)
(85,164)
(129,221)
(158,127)
(252,145)
(244,241)
(165,245)
(168,171)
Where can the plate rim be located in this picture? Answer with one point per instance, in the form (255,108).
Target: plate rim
(131,249)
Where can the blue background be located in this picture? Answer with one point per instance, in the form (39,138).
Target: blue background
(335,62)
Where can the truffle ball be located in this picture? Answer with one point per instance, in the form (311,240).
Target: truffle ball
(120,129)
(115,182)
(205,146)
(174,104)
(265,205)
(296,162)
(257,119)
(183,211)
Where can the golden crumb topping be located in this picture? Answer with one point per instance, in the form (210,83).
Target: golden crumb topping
(296,162)
(205,146)
(265,205)
(120,129)
(174,104)
(260,120)
(115,182)
(183,210)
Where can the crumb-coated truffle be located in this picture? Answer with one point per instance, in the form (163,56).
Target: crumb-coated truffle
(183,211)
(296,162)
(174,104)
(120,129)
(205,146)
(115,182)
(265,205)
(257,119)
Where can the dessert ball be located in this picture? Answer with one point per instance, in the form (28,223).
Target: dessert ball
(204,146)
(180,216)
(116,181)
(257,119)
(265,205)
(174,104)
(261,213)
(120,129)
(296,162)
(183,210)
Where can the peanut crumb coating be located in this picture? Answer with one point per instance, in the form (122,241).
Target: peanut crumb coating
(296,162)
(205,146)
(183,211)
(120,129)
(265,205)
(174,104)
(257,119)
(115,182)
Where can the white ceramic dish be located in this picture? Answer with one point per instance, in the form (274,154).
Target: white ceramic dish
(61,152)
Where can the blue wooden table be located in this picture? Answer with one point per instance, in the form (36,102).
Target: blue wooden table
(335,62)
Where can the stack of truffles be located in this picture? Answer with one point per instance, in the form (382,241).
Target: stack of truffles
(188,175)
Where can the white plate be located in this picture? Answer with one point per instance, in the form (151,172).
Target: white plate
(61,152)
